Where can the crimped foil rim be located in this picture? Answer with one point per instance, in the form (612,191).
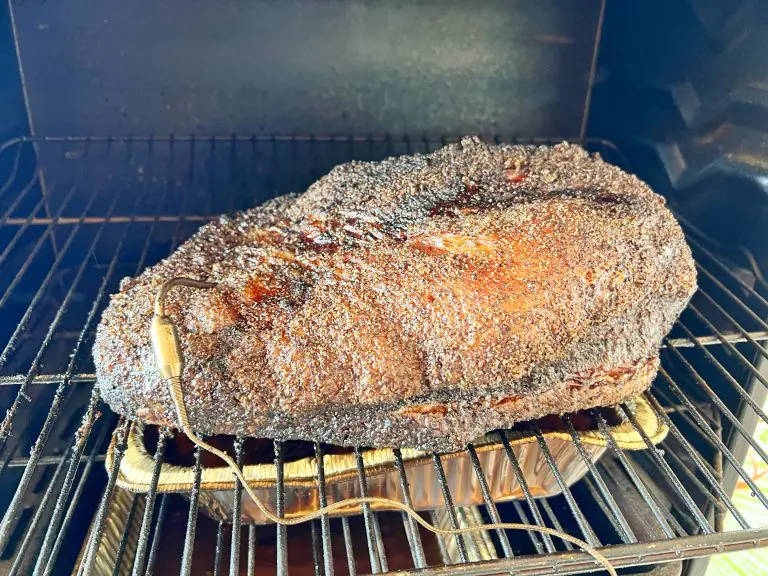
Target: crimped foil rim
(137,465)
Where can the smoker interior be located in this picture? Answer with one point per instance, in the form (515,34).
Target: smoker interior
(79,213)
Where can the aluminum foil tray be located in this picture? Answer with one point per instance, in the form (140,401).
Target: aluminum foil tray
(300,476)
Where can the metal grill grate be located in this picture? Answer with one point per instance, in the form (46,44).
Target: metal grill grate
(76,215)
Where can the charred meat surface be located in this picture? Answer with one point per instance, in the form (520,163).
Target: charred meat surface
(420,301)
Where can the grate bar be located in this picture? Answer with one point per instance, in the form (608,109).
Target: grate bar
(709,432)
(597,497)
(411,529)
(409,536)
(57,526)
(126,534)
(59,398)
(490,505)
(625,531)
(744,336)
(578,515)
(97,527)
(724,267)
(5,427)
(156,536)
(218,550)
(282,536)
(379,543)
(751,337)
(348,546)
(14,446)
(528,498)
(317,552)
(348,139)
(733,351)
(18,379)
(232,185)
(149,505)
(251,570)
(440,540)
(683,411)
(68,376)
(667,471)
(16,161)
(23,194)
(325,525)
(41,509)
(450,509)
(738,301)
(182,168)
(733,382)
(12,512)
(194,503)
(33,253)
(68,220)
(373,550)
(638,483)
(41,241)
(641,554)
(94,400)
(24,224)
(535,537)
(691,475)
(554,519)
(237,503)
(723,408)
(698,460)
(153,226)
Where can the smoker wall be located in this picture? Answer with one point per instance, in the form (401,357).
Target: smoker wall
(298,66)
(13,119)
(682,88)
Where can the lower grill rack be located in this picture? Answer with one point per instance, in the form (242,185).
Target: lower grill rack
(77,214)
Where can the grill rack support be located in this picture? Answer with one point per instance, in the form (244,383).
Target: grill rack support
(742,330)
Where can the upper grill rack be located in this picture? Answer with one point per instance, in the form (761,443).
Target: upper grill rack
(77,214)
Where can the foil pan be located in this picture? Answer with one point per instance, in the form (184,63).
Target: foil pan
(300,476)
(124,517)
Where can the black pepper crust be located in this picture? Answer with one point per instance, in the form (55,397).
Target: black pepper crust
(420,301)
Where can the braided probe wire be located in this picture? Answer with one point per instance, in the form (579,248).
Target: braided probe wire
(170,363)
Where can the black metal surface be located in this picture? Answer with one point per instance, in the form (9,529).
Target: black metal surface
(335,67)
(13,121)
(121,204)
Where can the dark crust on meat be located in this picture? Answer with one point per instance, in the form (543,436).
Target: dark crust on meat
(475,272)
